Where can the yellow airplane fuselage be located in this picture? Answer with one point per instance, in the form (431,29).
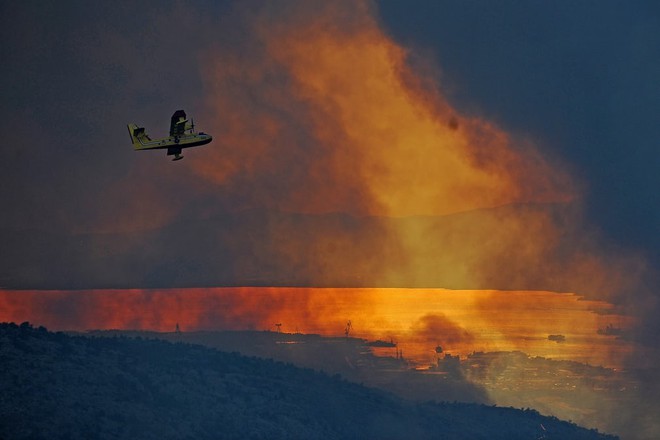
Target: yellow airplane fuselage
(173,144)
(183,141)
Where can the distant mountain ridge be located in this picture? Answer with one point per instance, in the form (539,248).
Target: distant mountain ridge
(477,249)
(57,386)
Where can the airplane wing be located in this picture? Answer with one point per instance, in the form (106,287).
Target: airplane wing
(178,123)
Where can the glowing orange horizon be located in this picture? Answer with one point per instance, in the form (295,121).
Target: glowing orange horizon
(419,319)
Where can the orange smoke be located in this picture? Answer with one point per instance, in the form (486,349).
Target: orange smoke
(194,309)
(328,108)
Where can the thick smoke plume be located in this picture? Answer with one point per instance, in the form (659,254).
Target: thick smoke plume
(322,113)
(319,111)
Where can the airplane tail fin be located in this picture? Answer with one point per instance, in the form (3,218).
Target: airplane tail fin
(138,135)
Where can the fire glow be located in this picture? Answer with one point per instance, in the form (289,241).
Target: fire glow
(418,319)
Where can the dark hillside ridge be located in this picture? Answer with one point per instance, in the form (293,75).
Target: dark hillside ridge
(55,386)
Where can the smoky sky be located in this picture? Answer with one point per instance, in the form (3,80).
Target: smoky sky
(581,80)
(577,81)
(75,74)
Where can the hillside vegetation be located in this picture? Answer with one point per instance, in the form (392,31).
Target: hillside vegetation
(55,386)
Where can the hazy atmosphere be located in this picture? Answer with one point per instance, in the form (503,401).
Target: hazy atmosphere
(366,156)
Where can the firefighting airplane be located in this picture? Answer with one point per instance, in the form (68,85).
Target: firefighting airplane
(182,135)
